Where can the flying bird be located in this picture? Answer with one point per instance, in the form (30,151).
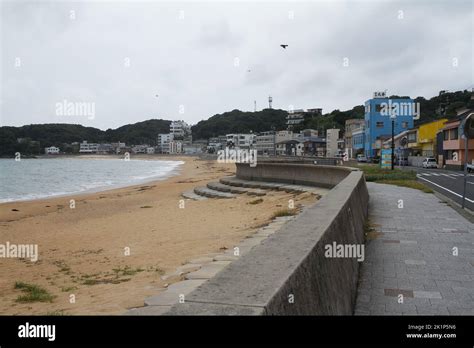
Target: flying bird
(284,46)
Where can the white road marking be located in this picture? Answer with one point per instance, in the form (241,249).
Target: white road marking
(444,188)
(449,176)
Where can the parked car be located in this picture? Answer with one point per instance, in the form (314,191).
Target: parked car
(430,162)
(470,168)
(361,159)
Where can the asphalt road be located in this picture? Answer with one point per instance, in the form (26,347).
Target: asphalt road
(448,183)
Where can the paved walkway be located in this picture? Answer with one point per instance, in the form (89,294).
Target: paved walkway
(411,254)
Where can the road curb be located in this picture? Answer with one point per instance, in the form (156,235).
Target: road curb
(466,213)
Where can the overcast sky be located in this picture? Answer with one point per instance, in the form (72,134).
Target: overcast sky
(196,56)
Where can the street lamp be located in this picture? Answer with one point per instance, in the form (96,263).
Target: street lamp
(468,131)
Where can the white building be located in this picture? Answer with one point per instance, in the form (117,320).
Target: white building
(150,150)
(265,141)
(86,147)
(192,149)
(52,150)
(175,147)
(140,149)
(244,141)
(180,129)
(295,117)
(164,142)
(333,142)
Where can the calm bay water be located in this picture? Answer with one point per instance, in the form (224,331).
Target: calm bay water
(40,178)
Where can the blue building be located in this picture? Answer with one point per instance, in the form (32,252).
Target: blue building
(378,122)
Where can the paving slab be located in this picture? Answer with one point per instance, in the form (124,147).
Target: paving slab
(413,256)
(208,271)
(148,310)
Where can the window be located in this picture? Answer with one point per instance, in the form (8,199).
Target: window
(379,124)
(446,135)
(453,134)
(404,124)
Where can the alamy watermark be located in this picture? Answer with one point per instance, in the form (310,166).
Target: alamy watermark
(69,108)
(21,251)
(335,250)
(237,156)
(395,109)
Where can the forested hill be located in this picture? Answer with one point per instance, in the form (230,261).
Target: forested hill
(60,134)
(237,121)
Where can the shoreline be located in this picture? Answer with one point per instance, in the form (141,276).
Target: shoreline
(171,173)
(81,250)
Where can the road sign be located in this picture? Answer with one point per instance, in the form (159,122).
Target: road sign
(386,159)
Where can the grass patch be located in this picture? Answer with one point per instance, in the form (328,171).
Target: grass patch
(397,177)
(33,293)
(68,288)
(126,271)
(408,183)
(284,212)
(256,201)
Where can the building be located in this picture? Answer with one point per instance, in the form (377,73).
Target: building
(353,124)
(358,141)
(243,141)
(378,124)
(290,148)
(422,139)
(333,143)
(141,149)
(86,147)
(295,117)
(163,142)
(175,147)
(265,141)
(192,149)
(454,144)
(52,150)
(105,149)
(314,146)
(180,129)
(118,147)
(216,143)
(400,145)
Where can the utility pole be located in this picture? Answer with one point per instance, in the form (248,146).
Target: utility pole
(393,139)
(270,99)
(255,106)
(468,132)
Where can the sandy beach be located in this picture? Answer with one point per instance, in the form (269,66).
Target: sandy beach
(113,248)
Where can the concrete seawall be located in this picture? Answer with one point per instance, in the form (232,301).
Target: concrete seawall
(288,273)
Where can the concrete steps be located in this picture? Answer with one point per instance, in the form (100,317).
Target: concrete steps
(217,186)
(207,192)
(234,181)
(192,195)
